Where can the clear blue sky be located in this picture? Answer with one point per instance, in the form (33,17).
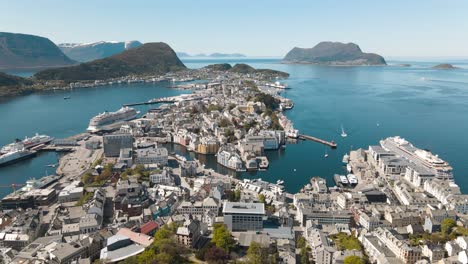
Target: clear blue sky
(253,27)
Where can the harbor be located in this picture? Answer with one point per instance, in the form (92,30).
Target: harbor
(305,93)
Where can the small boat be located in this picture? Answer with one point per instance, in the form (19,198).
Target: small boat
(346,158)
(279,182)
(352,179)
(66,97)
(326,154)
(343,133)
(378,124)
(344,180)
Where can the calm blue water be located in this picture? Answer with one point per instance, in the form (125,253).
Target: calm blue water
(428,107)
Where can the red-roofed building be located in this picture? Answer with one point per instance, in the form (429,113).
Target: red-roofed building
(149,228)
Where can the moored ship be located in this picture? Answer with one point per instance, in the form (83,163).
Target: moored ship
(278,85)
(36,140)
(352,179)
(107,118)
(16,152)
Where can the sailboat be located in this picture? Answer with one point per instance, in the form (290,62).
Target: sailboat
(343,133)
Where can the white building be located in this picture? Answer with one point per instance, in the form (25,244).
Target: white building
(71,193)
(151,156)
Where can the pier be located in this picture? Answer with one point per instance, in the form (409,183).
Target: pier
(155,101)
(56,149)
(331,144)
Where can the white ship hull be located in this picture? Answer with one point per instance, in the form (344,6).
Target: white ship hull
(7,160)
(96,128)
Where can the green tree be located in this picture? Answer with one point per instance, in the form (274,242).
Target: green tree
(147,257)
(130,260)
(216,255)
(447,225)
(256,254)
(87,178)
(237,195)
(301,242)
(353,260)
(222,238)
(164,248)
(344,241)
(224,122)
(304,256)
(200,254)
(261,198)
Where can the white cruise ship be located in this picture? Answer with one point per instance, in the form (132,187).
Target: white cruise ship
(30,142)
(420,157)
(107,118)
(15,153)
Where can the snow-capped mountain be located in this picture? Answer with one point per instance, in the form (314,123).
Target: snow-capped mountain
(84,52)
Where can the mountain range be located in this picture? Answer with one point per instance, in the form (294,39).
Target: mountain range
(333,53)
(84,52)
(22,51)
(149,58)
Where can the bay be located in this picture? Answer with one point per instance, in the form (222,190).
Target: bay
(428,107)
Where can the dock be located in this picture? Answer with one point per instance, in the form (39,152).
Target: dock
(156,101)
(331,144)
(56,149)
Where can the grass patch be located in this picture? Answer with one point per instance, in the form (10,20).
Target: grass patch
(346,242)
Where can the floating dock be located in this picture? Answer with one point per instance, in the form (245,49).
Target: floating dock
(331,144)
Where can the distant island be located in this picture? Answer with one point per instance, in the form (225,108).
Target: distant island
(84,52)
(245,69)
(445,66)
(150,58)
(212,55)
(22,51)
(333,53)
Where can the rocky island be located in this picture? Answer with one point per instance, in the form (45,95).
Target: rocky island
(444,66)
(333,53)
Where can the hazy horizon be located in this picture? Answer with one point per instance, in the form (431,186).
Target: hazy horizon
(254,28)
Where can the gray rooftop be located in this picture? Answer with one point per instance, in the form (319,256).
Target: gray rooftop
(243,208)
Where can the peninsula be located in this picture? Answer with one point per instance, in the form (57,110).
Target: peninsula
(153,58)
(334,54)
